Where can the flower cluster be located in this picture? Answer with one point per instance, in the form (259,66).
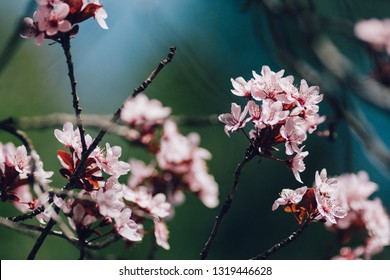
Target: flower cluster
(104,201)
(366,217)
(54,17)
(316,203)
(279,112)
(15,169)
(180,164)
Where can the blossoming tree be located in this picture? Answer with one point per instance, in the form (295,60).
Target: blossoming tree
(105,197)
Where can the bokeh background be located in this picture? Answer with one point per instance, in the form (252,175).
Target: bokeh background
(216,40)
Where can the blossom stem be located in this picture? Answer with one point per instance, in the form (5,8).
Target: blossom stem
(65,43)
(250,153)
(284,242)
(142,87)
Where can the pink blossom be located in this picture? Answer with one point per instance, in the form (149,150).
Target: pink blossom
(289,196)
(375,32)
(139,172)
(273,112)
(80,218)
(110,199)
(297,165)
(326,186)
(51,19)
(328,207)
(18,159)
(241,87)
(142,111)
(266,85)
(162,234)
(126,227)
(294,136)
(327,204)
(255,111)
(24,196)
(377,223)
(175,150)
(235,120)
(110,162)
(100,14)
(307,98)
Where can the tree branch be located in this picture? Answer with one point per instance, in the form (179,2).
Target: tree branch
(284,242)
(250,153)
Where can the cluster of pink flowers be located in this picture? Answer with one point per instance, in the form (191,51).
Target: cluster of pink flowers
(98,200)
(366,219)
(375,32)
(316,203)
(15,169)
(179,165)
(60,16)
(285,114)
(103,201)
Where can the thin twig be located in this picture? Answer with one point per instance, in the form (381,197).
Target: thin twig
(65,43)
(250,153)
(284,242)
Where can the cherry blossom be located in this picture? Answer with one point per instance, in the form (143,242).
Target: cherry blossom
(126,227)
(296,164)
(316,203)
(15,167)
(267,85)
(55,17)
(161,233)
(279,111)
(289,196)
(294,136)
(141,110)
(366,216)
(97,162)
(51,18)
(235,120)
(241,87)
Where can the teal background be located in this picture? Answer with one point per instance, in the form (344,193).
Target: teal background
(216,40)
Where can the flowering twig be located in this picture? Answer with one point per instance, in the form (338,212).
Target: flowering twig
(9,126)
(149,80)
(250,153)
(81,166)
(284,242)
(27,216)
(98,121)
(65,43)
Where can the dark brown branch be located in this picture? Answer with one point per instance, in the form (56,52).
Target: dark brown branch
(250,153)
(65,43)
(284,242)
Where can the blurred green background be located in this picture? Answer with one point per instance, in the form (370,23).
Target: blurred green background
(216,40)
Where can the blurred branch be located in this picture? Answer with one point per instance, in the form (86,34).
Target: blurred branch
(14,41)
(100,121)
